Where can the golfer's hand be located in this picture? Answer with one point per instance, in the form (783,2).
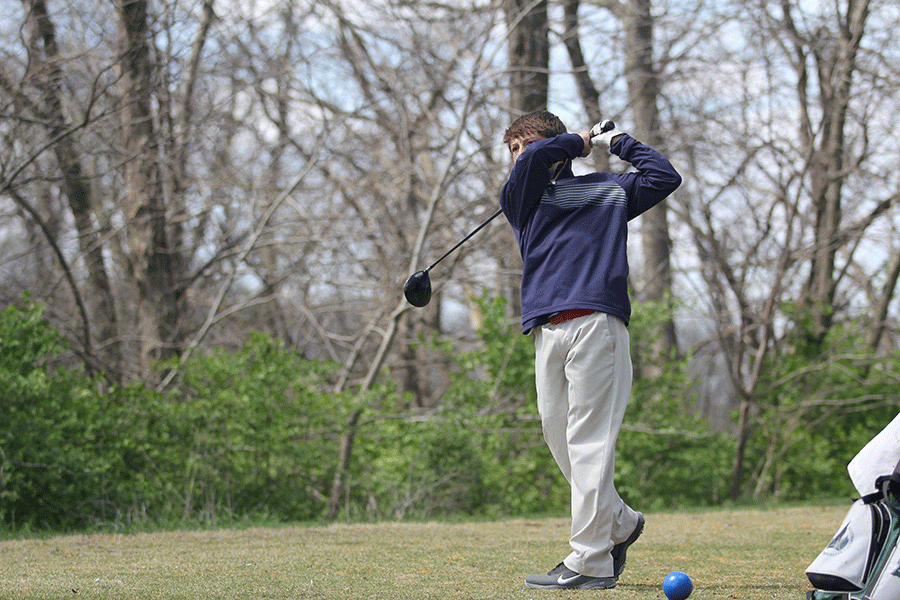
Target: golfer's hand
(586,136)
(605,133)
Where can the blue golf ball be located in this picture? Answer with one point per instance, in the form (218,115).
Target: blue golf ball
(677,586)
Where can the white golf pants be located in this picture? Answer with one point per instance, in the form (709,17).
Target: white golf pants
(583,377)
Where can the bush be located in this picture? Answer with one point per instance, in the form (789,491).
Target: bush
(255,432)
(819,405)
(250,432)
(55,446)
(667,455)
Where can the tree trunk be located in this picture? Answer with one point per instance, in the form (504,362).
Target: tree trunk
(587,89)
(529,84)
(880,318)
(149,254)
(529,55)
(48,77)
(835,60)
(743,435)
(643,93)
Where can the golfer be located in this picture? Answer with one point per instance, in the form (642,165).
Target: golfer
(572,234)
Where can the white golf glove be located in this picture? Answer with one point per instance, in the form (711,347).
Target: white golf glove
(603,133)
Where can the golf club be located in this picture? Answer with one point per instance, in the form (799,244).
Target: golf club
(418,287)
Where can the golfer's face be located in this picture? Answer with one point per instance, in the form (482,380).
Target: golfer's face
(518,145)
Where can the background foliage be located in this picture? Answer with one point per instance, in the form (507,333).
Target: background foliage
(254,433)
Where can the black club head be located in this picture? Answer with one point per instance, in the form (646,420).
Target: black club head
(418,289)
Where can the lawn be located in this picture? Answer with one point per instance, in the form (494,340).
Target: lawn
(741,554)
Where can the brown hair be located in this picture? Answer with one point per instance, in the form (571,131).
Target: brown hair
(541,122)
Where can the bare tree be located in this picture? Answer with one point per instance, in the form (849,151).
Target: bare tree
(529,54)
(399,141)
(584,81)
(642,74)
(46,107)
(153,263)
(778,226)
(833,51)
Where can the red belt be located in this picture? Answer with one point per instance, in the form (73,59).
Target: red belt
(568,315)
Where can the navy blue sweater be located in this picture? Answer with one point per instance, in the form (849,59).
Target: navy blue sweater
(572,232)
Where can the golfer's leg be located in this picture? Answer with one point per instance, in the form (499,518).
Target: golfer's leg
(552,391)
(599,375)
(625,520)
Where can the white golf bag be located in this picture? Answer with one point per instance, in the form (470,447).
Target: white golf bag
(862,561)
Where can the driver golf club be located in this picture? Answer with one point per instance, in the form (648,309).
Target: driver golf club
(418,287)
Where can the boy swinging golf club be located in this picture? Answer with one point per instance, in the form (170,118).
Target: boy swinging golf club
(572,234)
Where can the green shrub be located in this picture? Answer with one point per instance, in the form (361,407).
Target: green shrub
(255,432)
(55,447)
(817,406)
(250,431)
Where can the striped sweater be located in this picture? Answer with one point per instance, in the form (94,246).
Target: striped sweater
(572,231)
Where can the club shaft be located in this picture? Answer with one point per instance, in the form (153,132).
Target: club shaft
(465,239)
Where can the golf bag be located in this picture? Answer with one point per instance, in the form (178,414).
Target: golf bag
(862,561)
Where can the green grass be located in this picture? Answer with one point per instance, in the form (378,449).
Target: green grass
(734,554)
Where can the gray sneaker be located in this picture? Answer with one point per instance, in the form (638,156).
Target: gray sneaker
(562,577)
(618,551)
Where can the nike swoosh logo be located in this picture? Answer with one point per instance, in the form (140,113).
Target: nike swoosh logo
(567,580)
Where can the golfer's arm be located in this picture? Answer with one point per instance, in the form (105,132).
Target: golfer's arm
(655,179)
(522,192)
(530,175)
